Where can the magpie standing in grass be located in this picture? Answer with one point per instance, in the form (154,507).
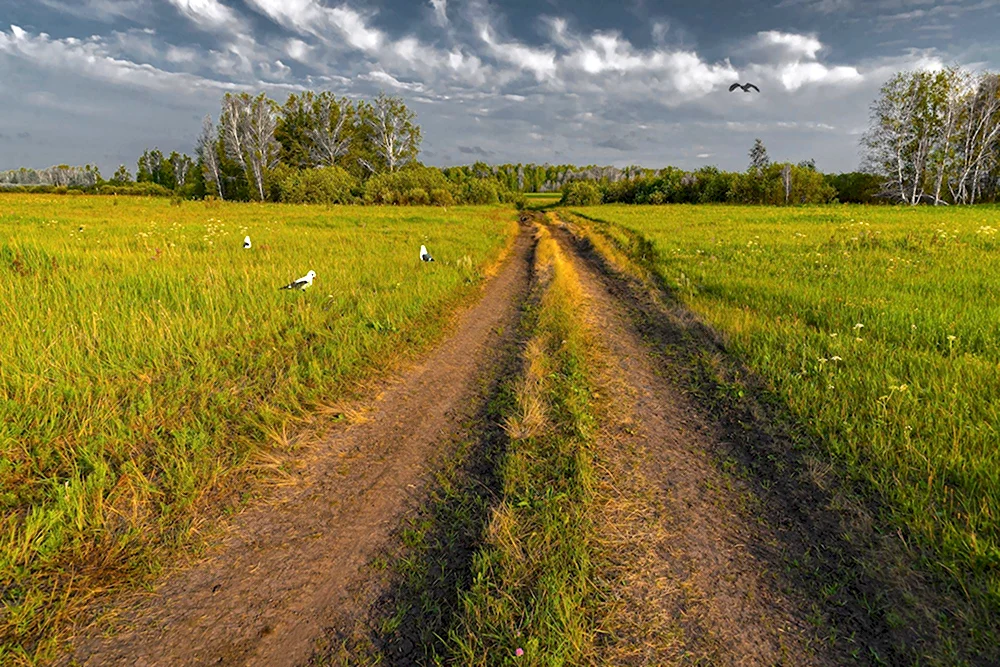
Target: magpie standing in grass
(246,242)
(424,255)
(302,283)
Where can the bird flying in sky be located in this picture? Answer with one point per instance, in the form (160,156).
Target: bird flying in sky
(302,283)
(424,255)
(746,87)
(246,241)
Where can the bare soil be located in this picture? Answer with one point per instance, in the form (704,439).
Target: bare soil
(712,561)
(289,568)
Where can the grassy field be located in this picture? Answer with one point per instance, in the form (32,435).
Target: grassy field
(148,362)
(540,199)
(880,329)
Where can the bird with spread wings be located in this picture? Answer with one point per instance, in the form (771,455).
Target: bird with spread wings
(746,87)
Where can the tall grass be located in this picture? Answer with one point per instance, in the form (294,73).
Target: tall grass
(146,359)
(880,327)
(532,583)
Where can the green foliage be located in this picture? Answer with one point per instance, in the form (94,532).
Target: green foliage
(391,188)
(581,193)
(324,185)
(145,189)
(121,177)
(480,191)
(856,187)
(442,197)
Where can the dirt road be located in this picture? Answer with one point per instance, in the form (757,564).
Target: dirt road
(264,595)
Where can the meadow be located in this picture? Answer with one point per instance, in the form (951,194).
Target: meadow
(879,327)
(149,365)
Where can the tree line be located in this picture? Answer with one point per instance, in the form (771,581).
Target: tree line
(933,137)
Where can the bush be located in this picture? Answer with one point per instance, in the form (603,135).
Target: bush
(417,197)
(324,185)
(442,197)
(393,188)
(480,191)
(145,189)
(581,193)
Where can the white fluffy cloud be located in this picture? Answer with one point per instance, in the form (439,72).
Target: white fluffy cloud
(792,60)
(209,14)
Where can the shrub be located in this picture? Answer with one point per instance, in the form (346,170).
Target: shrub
(393,188)
(581,193)
(417,197)
(480,191)
(145,189)
(442,197)
(325,185)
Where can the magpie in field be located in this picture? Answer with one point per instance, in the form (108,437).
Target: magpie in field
(424,255)
(246,242)
(746,87)
(302,283)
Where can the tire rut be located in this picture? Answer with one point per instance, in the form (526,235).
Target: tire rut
(287,567)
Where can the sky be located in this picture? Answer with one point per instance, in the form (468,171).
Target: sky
(558,81)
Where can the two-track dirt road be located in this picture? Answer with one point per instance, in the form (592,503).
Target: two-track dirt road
(701,577)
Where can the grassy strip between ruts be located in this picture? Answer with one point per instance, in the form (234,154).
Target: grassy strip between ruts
(533,593)
(149,368)
(843,312)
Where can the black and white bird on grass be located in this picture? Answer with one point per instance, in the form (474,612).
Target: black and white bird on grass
(246,242)
(424,255)
(302,283)
(746,87)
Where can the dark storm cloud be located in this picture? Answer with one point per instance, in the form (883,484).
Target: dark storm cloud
(624,144)
(475,150)
(584,81)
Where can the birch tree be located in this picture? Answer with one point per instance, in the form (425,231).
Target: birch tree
(391,134)
(330,138)
(207,150)
(890,137)
(979,133)
(248,125)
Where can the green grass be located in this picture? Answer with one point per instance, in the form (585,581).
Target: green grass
(532,583)
(148,360)
(880,328)
(542,199)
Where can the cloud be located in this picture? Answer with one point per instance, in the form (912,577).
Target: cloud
(380,77)
(619,143)
(210,15)
(440,11)
(475,150)
(91,58)
(791,60)
(308,17)
(790,45)
(539,62)
(100,10)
